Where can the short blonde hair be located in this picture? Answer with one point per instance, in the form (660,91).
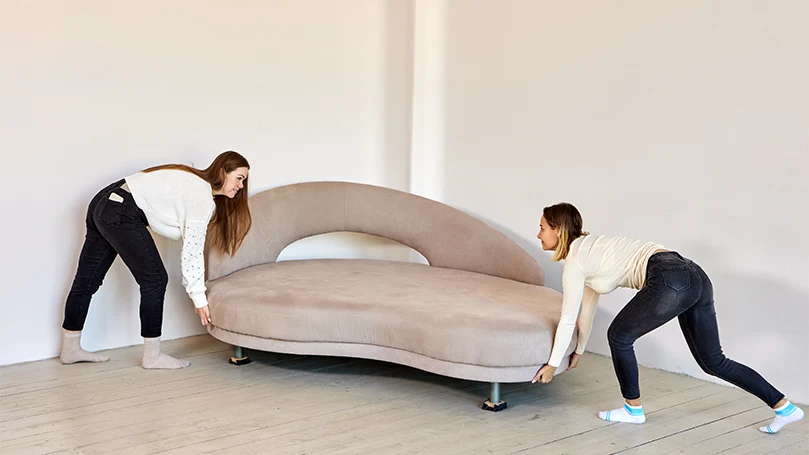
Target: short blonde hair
(568,220)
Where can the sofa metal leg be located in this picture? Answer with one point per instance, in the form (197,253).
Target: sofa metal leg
(494,403)
(239,358)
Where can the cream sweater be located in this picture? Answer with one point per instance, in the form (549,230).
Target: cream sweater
(596,265)
(178,205)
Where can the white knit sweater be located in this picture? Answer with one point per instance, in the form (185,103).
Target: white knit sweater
(178,205)
(596,265)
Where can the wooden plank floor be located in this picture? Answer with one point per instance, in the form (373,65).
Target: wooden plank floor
(286,404)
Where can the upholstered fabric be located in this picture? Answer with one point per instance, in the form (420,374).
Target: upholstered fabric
(452,316)
(384,353)
(445,236)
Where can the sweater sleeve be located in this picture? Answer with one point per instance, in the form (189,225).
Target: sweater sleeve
(585,322)
(192,259)
(573,277)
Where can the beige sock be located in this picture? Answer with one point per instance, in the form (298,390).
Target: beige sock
(72,351)
(153,359)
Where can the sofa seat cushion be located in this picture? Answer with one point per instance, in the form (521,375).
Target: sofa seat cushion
(446,314)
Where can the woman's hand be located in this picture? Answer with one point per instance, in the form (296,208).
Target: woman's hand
(204,315)
(574,361)
(544,375)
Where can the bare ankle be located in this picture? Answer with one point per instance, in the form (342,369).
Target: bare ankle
(635,402)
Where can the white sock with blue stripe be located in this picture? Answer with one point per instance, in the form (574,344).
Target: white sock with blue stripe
(784,415)
(627,414)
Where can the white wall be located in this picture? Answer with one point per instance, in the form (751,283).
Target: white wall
(91,91)
(685,123)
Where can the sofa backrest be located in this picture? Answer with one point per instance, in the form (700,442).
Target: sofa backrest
(445,236)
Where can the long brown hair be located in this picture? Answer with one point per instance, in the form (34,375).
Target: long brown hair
(567,218)
(231,221)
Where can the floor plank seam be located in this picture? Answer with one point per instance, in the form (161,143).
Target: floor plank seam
(681,431)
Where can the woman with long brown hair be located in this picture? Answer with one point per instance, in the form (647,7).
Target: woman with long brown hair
(668,285)
(178,202)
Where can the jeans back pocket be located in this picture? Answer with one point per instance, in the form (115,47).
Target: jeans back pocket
(677,278)
(110,209)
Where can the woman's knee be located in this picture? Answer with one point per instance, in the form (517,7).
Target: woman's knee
(157,281)
(715,365)
(617,336)
(83,286)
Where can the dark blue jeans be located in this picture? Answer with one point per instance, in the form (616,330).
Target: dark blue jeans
(677,287)
(118,227)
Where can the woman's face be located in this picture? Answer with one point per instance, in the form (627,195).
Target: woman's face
(549,237)
(234,182)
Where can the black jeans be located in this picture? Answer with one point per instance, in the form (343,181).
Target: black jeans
(677,287)
(118,227)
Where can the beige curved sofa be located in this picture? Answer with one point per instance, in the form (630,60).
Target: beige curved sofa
(478,311)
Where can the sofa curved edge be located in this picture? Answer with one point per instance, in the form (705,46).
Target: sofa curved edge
(386,354)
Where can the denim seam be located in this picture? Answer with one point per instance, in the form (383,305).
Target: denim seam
(699,278)
(159,331)
(107,249)
(148,250)
(625,315)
